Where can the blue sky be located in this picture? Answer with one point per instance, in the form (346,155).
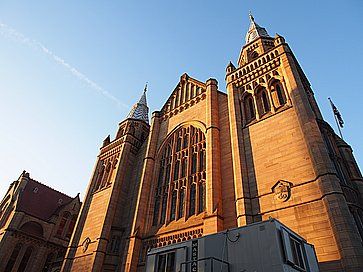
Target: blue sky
(53,120)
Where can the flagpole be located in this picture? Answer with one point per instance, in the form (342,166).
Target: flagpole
(336,119)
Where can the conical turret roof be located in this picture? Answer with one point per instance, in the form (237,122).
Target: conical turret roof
(140,110)
(255,31)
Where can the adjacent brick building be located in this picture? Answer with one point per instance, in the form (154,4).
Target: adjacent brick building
(212,160)
(36,223)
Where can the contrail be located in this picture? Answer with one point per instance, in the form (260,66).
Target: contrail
(9,32)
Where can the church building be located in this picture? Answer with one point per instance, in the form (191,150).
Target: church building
(212,160)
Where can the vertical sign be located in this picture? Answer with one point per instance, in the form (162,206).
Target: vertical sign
(195,255)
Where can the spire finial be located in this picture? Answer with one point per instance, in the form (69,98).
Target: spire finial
(251,16)
(145,89)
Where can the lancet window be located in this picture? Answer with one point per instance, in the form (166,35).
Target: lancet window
(249,108)
(104,172)
(263,103)
(278,94)
(180,184)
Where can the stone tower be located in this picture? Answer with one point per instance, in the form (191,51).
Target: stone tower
(212,160)
(107,210)
(287,161)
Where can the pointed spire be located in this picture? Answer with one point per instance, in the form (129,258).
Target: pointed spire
(140,110)
(255,30)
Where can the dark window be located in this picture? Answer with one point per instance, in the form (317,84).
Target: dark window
(156,211)
(181,203)
(185,140)
(280,94)
(194,163)
(13,257)
(202,160)
(297,253)
(176,170)
(184,167)
(163,209)
(178,144)
(166,262)
(48,263)
(161,175)
(62,223)
(25,259)
(249,108)
(173,205)
(201,197)
(192,199)
(265,104)
(167,173)
(71,226)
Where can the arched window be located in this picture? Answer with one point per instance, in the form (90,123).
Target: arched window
(249,108)
(32,228)
(62,223)
(173,205)
(192,199)
(184,150)
(48,263)
(25,259)
(13,257)
(278,94)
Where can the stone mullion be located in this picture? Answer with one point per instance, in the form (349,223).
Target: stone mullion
(171,177)
(188,176)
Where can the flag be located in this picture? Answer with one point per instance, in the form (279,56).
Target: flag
(337,114)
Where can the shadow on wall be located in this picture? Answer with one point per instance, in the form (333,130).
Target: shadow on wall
(250,186)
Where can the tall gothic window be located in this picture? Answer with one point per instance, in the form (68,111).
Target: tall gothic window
(249,108)
(182,166)
(278,94)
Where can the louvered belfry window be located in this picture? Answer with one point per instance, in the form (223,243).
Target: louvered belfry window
(180,183)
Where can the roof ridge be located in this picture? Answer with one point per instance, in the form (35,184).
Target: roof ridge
(50,187)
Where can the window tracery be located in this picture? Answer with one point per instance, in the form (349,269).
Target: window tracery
(181,173)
